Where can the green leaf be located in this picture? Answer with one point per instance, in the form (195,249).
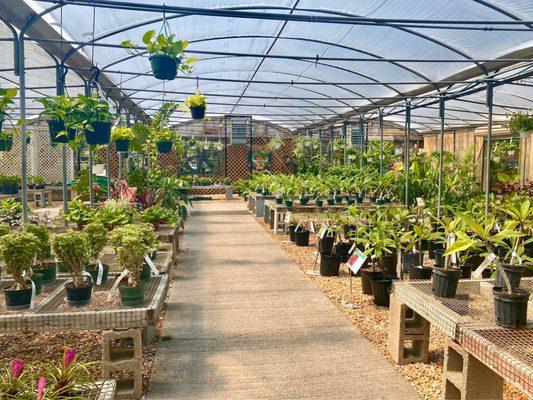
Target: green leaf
(147,37)
(458,246)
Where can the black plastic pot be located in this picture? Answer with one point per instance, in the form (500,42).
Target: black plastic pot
(122,144)
(338,200)
(419,272)
(381,290)
(424,245)
(514,273)
(288,203)
(48,271)
(291,233)
(445,281)
(279,200)
(319,203)
(388,263)
(325,245)
(6,144)
(37,279)
(164,146)
(510,310)
(304,201)
(341,250)
(79,296)
(329,265)
(475,260)
(351,201)
(197,112)
(17,299)
(301,238)
(146,273)
(331,202)
(432,246)
(360,200)
(10,188)
(93,270)
(409,259)
(466,271)
(164,67)
(132,296)
(367,275)
(55,127)
(266,192)
(439,257)
(101,133)
(347,229)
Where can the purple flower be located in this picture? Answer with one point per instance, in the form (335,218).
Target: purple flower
(17,367)
(40,387)
(70,356)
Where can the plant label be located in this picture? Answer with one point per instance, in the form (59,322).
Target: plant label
(100,273)
(151,264)
(352,248)
(85,273)
(322,232)
(312,226)
(486,262)
(287,218)
(33,293)
(297,226)
(115,285)
(356,261)
(451,240)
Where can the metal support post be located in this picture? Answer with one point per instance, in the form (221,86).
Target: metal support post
(320,147)
(225,146)
(381,129)
(441,152)
(361,133)
(60,90)
(331,145)
(490,100)
(91,191)
(250,158)
(344,129)
(407,145)
(24,145)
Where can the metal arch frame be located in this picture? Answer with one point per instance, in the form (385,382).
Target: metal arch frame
(501,11)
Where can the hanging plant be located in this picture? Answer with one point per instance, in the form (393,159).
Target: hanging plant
(122,136)
(61,112)
(521,122)
(6,100)
(94,117)
(164,139)
(166,54)
(197,104)
(275,143)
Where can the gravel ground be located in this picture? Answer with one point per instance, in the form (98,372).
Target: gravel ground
(373,321)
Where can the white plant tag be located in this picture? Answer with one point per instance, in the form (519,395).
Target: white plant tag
(352,248)
(287,218)
(452,241)
(356,261)
(33,294)
(100,273)
(151,264)
(513,254)
(322,232)
(85,273)
(115,285)
(297,226)
(312,226)
(490,258)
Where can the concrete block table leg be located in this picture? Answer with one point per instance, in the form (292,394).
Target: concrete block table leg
(467,378)
(408,334)
(276,220)
(271,218)
(148,334)
(266,214)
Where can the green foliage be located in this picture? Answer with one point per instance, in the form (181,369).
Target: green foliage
(81,186)
(96,234)
(70,248)
(92,109)
(78,212)
(196,100)
(521,122)
(62,108)
(157,213)
(122,133)
(115,213)
(10,211)
(163,135)
(6,100)
(18,250)
(36,180)
(10,180)
(42,233)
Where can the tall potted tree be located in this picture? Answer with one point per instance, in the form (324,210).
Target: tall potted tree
(70,248)
(18,250)
(43,265)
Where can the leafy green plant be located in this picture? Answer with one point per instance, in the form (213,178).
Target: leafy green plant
(196,100)
(10,180)
(6,100)
(91,109)
(42,233)
(78,212)
(36,180)
(521,122)
(163,135)
(159,214)
(10,211)
(70,248)
(64,109)
(122,133)
(114,213)
(18,250)
(96,234)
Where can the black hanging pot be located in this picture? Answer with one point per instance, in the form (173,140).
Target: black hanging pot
(325,245)
(514,273)
(341,250)
(17,299)
(329,265)
(266,192)
(331,202)
(388,263)
(510,310)
(301,238)
(419,272)
(122,144)
(55,127)
(291,233)
(338,200)
(6,144)
(164,146)
(197,112)
(360,200)
(409,259)
(424,245)
(367,275)
(381,288)
(101,133)
(164,67)
(351,201)
(445,281)
(78,296)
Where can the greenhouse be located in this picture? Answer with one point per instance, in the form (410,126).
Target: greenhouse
(293,199)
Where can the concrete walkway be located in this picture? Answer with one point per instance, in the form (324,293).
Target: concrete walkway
(245,323)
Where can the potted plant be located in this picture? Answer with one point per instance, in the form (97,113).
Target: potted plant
(6,100)
(197,104)
(166,54)
(130,244)
(36,182)
(10,184)
(301,232)
(70,249)
(61,113)
(115,213)
(96,235)
(157,214)
(18,250)
(43,266)
(521,122)
(79,213)
(164,139)
(122,136)
(94,118)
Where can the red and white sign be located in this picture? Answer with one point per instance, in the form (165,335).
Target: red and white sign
(356,261)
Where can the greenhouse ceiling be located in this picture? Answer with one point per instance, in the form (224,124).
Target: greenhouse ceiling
(301,64)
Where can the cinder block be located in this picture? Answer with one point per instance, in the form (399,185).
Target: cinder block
(121,358)
(408,334)
(467,378)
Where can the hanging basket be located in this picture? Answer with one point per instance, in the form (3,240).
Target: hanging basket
(6,144)
(101,133)
(122,144)
(55,127)
(197,112)
(164,67)
(164,147)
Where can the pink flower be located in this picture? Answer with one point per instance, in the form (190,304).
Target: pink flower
(17,367)
(70,356)
(40,387)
